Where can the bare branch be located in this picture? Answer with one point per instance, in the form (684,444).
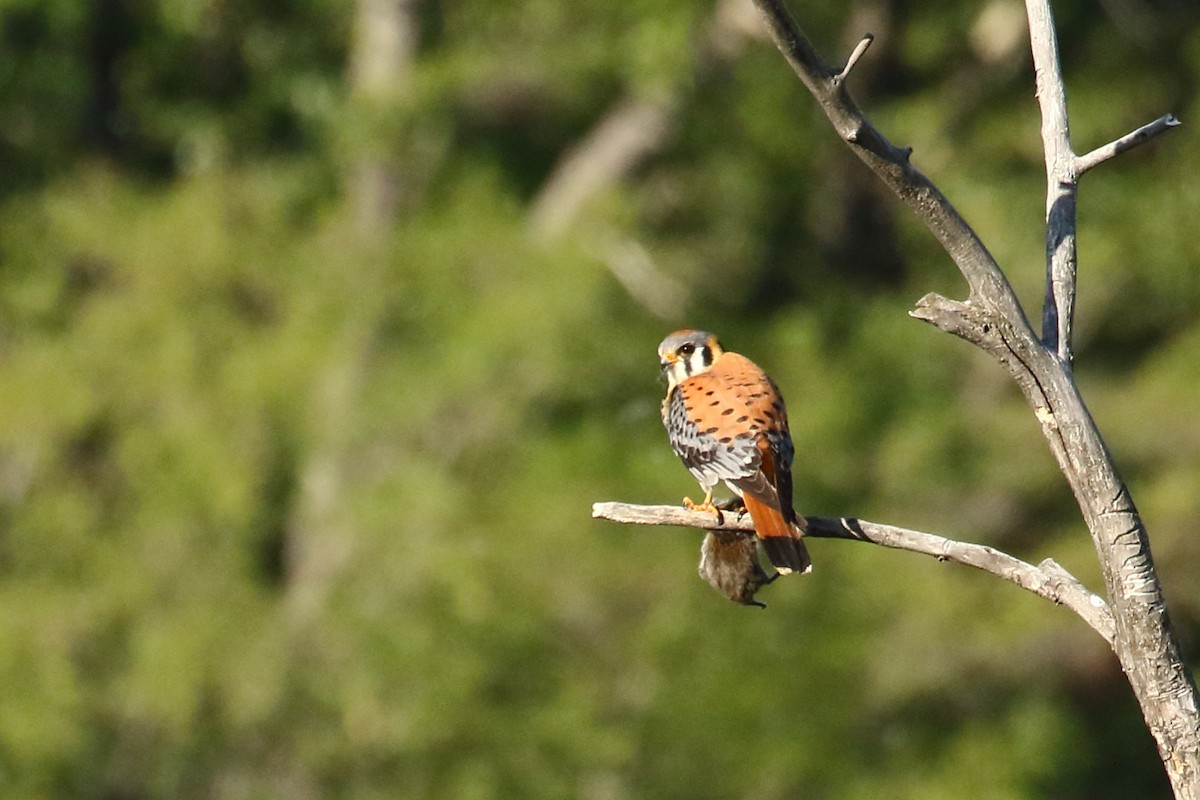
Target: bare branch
(892,165)
(992,318)
(858,52)
(1127,142)
(627,135)
(1048,579)
(634,129)
(1058,309)
(635,269)
(1063,169)
(380,66)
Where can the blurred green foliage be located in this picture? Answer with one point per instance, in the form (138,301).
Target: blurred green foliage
(294,503)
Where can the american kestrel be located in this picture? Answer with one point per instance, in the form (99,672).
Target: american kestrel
(729,562)
(727,422)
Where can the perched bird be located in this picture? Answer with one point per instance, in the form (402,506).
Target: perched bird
(727,422)
(729,562)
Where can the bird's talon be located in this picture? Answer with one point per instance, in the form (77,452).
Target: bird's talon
(707,505)
(734,503)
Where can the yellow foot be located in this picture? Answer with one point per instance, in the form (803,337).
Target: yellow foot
(707,505)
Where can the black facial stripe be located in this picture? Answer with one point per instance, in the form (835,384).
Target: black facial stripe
(706,353)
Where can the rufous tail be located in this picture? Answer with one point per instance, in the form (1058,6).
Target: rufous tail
(780,538)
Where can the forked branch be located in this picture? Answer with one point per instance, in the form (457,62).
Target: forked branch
(1063,169)
(1139,628)
(992,318)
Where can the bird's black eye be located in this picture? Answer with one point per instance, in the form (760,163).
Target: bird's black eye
(687,349)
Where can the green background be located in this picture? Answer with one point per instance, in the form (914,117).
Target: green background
(295,476)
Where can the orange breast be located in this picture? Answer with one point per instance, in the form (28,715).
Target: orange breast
(734,398)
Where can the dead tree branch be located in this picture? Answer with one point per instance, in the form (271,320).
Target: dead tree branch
(1058,309)
(1047,579)
(635,128)
(859,50)
(628,135)
(1127,142)
(630,132)
(992,318)
(1063,169)
(382,53)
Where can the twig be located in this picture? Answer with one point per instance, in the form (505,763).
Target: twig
(630,131)
(635,269)
(857,53)
(1048,579)
(1127,142)
(893,166)
(635,128)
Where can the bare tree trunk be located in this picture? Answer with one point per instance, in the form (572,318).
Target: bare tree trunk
(320,532)
(321,535)
(381,55)
(993,319)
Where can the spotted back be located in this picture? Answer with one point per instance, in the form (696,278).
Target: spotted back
(719,421)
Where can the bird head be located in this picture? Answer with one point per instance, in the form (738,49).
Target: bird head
(687,353)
